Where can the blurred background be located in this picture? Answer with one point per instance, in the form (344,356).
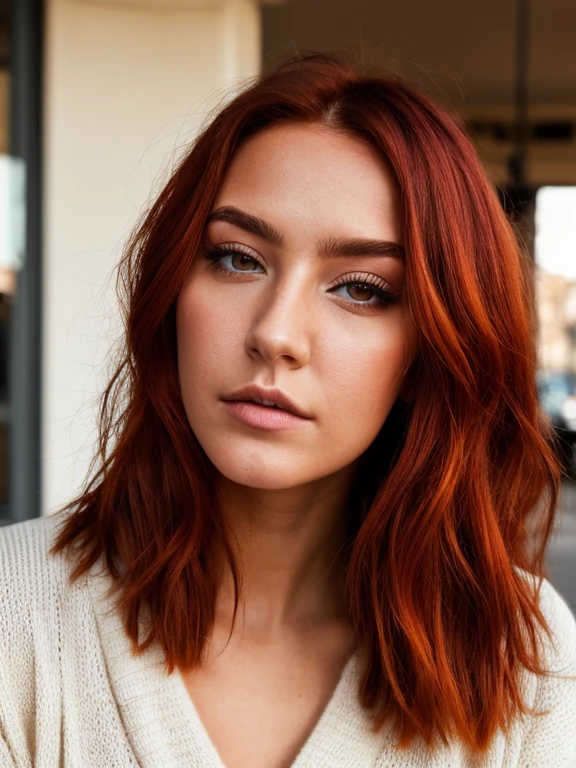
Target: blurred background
(99,97)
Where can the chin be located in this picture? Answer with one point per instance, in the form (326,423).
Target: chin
(263,469)
(265,477)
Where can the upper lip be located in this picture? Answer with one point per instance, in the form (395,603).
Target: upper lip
(256,394)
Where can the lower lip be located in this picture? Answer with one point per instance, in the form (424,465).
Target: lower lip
(262,416)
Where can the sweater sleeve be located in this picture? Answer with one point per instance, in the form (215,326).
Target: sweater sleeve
(550,741)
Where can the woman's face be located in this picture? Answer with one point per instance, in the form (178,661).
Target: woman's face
(297,299)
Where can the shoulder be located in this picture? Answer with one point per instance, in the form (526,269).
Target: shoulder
(32,582)
(558,615)
(37,598)
(55,694)
(550,735)
(39,610)
(20,539)
(27,569)
(28,630)
(559,648)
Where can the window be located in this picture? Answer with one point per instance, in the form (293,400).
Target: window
(20,248)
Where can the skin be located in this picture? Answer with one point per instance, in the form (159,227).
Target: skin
(274,313)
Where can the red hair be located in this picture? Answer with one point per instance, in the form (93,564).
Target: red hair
(439,522)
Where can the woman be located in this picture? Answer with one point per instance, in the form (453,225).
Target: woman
(306,540)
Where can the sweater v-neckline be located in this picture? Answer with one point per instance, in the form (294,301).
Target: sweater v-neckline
(157,709)
(345,681)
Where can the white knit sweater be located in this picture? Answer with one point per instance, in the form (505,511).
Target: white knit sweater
(72,695)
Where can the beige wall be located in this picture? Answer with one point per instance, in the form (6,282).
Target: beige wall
(126,86)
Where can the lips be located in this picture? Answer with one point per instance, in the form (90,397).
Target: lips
(267,396)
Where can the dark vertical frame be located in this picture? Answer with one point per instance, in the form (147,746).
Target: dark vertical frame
(25,361)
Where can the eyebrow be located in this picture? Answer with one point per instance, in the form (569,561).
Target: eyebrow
(247,222)
(340,246)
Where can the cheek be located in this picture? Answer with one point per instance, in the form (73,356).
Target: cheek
(206,336)
(363,379)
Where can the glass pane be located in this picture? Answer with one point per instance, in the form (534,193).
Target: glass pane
(555,251)
(555,248)
(7,266)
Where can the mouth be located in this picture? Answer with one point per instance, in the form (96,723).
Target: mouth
(267,399)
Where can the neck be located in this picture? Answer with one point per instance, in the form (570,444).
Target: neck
(288,546)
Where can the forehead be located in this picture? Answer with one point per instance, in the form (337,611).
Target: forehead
(314,176)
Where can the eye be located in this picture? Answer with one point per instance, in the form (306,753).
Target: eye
(359,292)
(371,291)
(227,259)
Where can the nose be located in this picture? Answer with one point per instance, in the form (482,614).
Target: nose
(281,327)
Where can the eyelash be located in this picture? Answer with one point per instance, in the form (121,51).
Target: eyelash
(382,290)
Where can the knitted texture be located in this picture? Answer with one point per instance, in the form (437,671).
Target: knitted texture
(72,695)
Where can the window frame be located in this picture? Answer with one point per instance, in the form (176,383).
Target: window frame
(25,331)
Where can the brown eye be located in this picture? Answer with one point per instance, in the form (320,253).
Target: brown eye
(242,263)
(363,294)
(232,261)
(360,292)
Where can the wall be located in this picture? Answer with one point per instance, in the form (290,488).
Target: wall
(126,87)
